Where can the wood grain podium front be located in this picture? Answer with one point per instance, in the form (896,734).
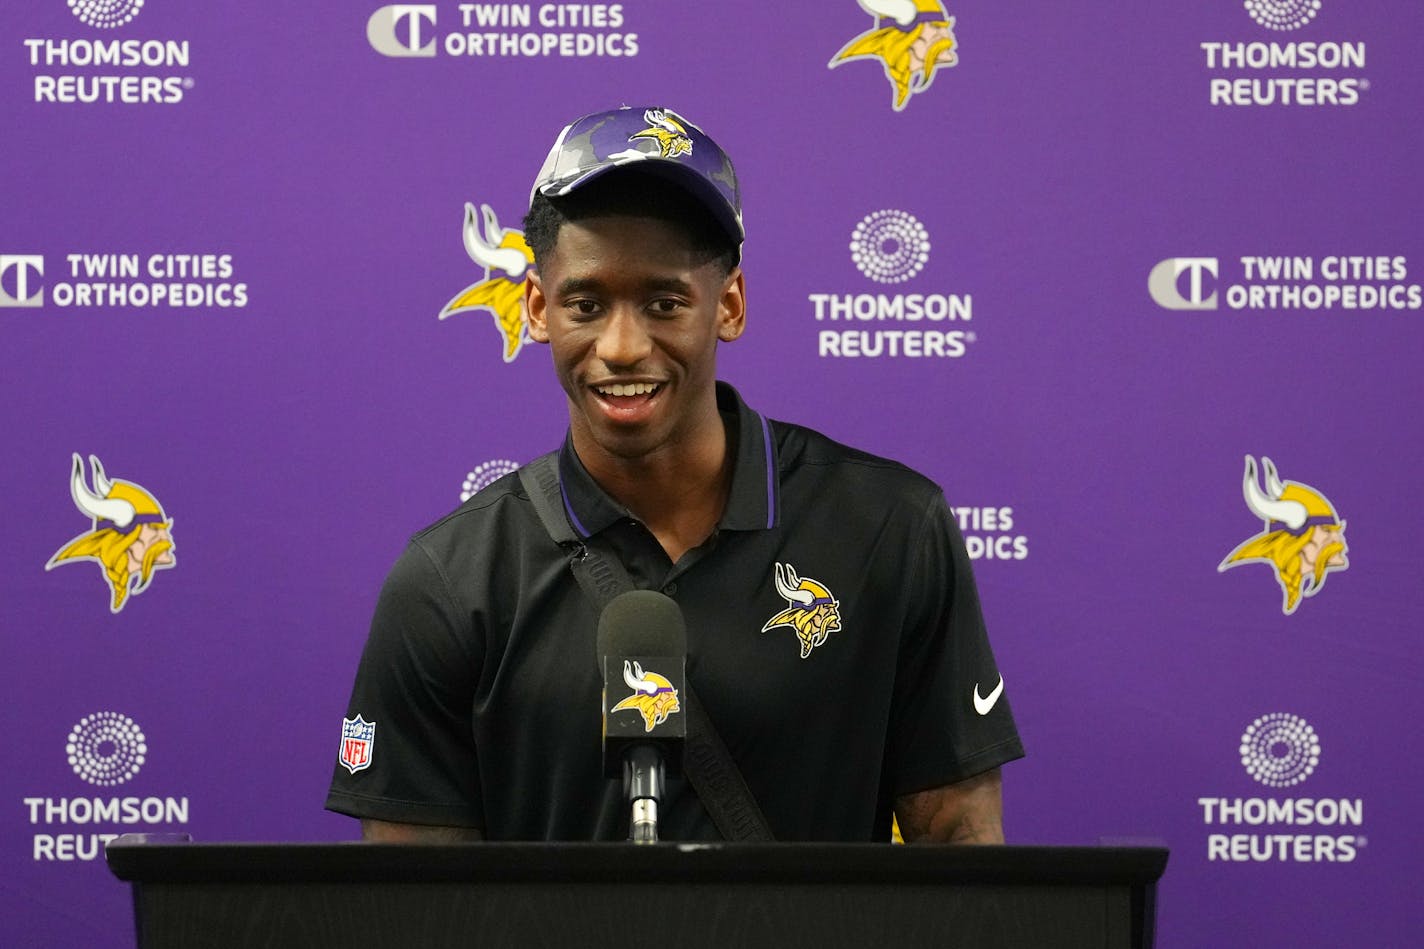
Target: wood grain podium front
(665,896)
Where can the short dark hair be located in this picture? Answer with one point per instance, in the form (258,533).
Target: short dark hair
(631,193)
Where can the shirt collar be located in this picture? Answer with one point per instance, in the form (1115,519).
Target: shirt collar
(752,504)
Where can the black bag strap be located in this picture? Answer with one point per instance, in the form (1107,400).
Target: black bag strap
(705,758)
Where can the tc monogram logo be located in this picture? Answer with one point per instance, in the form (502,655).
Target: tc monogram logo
(400,30)
(1163,281)
(21,265)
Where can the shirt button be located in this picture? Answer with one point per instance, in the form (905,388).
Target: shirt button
(670,589)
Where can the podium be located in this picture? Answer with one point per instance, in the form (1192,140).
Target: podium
(665,896)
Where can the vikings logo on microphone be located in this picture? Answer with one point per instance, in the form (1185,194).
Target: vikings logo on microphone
(130,537)
(506,258)
(653,696)
(1303,539)
(910,38)
(813,612)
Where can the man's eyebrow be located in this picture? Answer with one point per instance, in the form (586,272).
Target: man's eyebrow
(572,285)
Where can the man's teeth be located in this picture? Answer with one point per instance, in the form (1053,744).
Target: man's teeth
(632,388)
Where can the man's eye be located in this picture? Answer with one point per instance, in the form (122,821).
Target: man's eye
(666,307)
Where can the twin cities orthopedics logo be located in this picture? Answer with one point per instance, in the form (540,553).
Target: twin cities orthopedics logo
(1302,539)
(1306,73)
(991,533)
(485,474)
(505,259)
(892,248)
(1333,283)
(122,281)
(105,750)
(129,536)
(1280,751)
(909,39)
(502,30)
(129,71)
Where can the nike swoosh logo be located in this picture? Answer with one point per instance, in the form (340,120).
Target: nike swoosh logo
(983,705)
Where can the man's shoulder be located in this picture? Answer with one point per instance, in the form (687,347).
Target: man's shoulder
(490,517)
(805,452)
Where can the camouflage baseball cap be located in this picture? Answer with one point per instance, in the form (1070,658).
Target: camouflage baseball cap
(659,141)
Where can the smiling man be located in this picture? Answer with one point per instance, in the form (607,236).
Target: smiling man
(834,631)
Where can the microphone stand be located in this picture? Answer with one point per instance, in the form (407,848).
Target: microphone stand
(643,782)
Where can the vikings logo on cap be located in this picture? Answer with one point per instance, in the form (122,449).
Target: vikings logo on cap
(506,258)
(129,537)
(665,128)
(910,38)
(653,695)
(1303,540)
(813,612)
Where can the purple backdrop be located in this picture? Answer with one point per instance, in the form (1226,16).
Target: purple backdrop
(297,178)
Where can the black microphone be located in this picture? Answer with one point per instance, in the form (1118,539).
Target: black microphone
(642,646)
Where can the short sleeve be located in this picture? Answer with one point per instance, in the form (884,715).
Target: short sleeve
(407,750)
(949,717)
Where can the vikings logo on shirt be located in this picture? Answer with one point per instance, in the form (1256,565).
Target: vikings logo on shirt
(653,695)
(813,612)
(1303,539)
(667,128)
(129,536)
(506,259)
(911,38)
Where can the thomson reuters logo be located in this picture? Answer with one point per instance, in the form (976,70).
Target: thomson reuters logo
(403,29)
(20,276)
(1280,750)
(484,475)
(890,246)
(106,748)
(1283,14)
(1179,283)
(105,14)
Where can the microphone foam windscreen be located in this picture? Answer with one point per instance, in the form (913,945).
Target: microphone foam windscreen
(641,623)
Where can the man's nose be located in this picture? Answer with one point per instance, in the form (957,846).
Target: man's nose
(624,340)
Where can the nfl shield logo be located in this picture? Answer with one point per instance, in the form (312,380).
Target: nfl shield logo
(358,736)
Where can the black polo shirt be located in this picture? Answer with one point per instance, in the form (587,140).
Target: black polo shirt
(481,681)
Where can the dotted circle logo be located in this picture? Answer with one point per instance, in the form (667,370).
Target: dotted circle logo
(484,475)
(890,246)
(106,748)
(1283,14)
(1280,750)
(105,14)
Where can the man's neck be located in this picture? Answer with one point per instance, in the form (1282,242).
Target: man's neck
(679,493)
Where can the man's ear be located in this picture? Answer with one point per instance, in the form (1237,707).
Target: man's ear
(732,307)
(535,307)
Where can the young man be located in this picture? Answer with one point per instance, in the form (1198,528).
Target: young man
(834,633)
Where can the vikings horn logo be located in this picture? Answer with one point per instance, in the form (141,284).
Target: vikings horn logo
(1303,539)
(911,38)
(506,258)
(129,536)
(653,696)
(813,612)
(667,129)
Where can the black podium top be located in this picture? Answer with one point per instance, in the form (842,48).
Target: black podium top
(136,860)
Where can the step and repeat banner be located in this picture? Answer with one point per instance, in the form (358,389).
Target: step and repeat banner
(1138,284)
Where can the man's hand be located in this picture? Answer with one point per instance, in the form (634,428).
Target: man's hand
(966,812)
(387,832)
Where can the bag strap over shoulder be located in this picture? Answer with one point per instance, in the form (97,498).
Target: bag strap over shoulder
(706,760)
